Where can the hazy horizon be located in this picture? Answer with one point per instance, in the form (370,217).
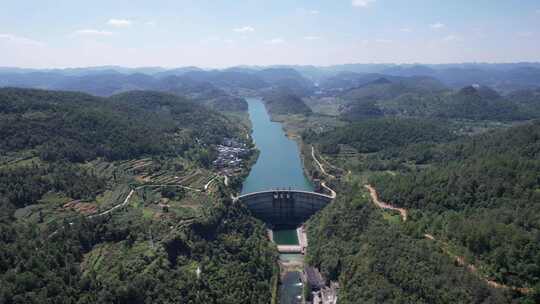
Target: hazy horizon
(208,68)
(209,34)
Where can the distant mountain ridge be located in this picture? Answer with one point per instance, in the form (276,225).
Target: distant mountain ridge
(475,102)
(211,87)
(503,77)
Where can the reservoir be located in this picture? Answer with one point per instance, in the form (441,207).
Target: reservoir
(278,166)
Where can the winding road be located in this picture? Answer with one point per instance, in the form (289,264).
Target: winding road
(319,164)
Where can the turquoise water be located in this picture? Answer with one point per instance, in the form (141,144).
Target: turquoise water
(285,237)
(279,164)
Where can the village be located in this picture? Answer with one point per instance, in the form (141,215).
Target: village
(231,154)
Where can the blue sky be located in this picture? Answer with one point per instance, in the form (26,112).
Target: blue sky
(219,33)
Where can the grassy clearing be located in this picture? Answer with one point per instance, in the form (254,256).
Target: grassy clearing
(392,217)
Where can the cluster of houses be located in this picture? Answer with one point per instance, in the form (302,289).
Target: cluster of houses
(230,154)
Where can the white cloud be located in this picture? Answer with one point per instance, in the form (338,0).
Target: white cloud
(119,22)
(275,41)
(437,25)
(244,29)
(314,12)
(92,32)
(385,41)
(405,30)
(150,23)
(452,38)
(362,3)
(312,38)
(20,40)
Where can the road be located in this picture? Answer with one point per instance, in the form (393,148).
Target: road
(319,164)
(383,205)
(209,182)
(115,207)
(332,192)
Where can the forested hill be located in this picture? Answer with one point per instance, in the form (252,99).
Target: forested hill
(482,195)
(80,127)
(377,261)
(112,200)
(374,135)
(472,203)
(471,102)
(282,101)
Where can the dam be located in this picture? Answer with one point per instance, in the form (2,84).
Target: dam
(284,208)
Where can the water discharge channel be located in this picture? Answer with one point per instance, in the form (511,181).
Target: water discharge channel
(278,166)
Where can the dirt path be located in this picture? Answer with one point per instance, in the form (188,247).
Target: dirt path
(474,270)
(170,185)
(459,259)
(383,205)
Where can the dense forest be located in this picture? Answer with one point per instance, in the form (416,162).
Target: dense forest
(151,263)
(478,196)
(374,135)
(482,195)
(376,261)
(78,127)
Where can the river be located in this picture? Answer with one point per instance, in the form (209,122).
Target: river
(278,166)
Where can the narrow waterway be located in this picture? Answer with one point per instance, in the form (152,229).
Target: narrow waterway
(278,166)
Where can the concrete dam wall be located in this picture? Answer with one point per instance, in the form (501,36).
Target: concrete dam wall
(284,207)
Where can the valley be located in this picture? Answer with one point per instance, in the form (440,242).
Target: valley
(270,152)
(372,188)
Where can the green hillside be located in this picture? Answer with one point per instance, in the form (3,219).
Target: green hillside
(282,101)
(375,135)
(109,200)
(480,194)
